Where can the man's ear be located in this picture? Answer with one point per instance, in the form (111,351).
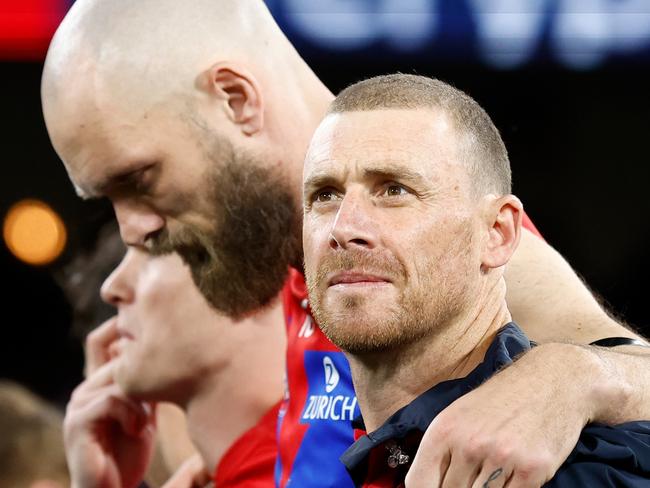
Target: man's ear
(503,216)
(239,89)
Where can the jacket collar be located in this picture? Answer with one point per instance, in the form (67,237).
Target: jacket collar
(509,342)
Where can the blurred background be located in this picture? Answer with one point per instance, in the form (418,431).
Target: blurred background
(566,81)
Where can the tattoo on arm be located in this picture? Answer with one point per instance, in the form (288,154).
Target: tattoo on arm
(492,477)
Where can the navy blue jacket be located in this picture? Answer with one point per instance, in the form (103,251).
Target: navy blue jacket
(605,456)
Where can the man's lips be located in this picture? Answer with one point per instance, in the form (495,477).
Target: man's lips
(356,278)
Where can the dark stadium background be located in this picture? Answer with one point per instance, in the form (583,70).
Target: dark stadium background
(578,133)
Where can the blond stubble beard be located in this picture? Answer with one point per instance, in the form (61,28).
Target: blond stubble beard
(442,296)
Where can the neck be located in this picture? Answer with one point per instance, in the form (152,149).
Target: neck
(231,401)
(297,103)
(309,110)
(385,382)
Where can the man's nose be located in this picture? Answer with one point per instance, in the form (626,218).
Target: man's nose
(354,224)
(137,222)
(118,287)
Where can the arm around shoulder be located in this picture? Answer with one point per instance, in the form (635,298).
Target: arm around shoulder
(555,308)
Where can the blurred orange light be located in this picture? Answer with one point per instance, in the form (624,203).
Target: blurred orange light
(34,233)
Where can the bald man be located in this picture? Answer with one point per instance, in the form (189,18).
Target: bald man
(193,119)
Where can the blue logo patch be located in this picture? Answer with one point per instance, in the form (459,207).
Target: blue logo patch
(330,407)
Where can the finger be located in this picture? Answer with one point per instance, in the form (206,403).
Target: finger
(526,479)
(461,473)
(145,410)
(532,472)
(190,474)
(491,476)
(508,483)
(109,405)
(150,409)
(428,469)
(115,349)
(101,376)
(91,396)
(98,343)
(88,388)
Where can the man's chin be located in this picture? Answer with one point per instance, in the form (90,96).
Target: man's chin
(130,382)
(353,308)
(140,387)
(360,333)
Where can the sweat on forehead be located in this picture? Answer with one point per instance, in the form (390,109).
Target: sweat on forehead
(481,145)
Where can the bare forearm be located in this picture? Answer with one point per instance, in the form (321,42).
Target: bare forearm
(626,384)
(610,386)
(529,416)
(550,302)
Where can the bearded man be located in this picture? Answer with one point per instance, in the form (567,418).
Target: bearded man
(193,119)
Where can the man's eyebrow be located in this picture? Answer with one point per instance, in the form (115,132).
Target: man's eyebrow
(319,180)
(386,171)
(393,171)
(123,179)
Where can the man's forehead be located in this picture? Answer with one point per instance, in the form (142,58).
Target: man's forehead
(87,180)
(101,145)
(387,121)
(379,138)
(95,167)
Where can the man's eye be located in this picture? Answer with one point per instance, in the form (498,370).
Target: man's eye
(395,190)
(324,196)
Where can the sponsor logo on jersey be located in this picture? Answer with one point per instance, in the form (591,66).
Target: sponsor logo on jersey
(332,376)
(328,398)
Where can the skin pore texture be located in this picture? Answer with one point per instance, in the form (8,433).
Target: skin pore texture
(129,91)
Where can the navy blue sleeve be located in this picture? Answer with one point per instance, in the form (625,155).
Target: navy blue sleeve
(616,456)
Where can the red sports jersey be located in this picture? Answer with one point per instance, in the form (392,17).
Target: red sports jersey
(250,460)
(314,423)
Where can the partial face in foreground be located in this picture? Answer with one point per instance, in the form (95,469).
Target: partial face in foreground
(169,335)
(178,185)
(389,228)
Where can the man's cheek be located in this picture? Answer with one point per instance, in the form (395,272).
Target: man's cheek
(308,253)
